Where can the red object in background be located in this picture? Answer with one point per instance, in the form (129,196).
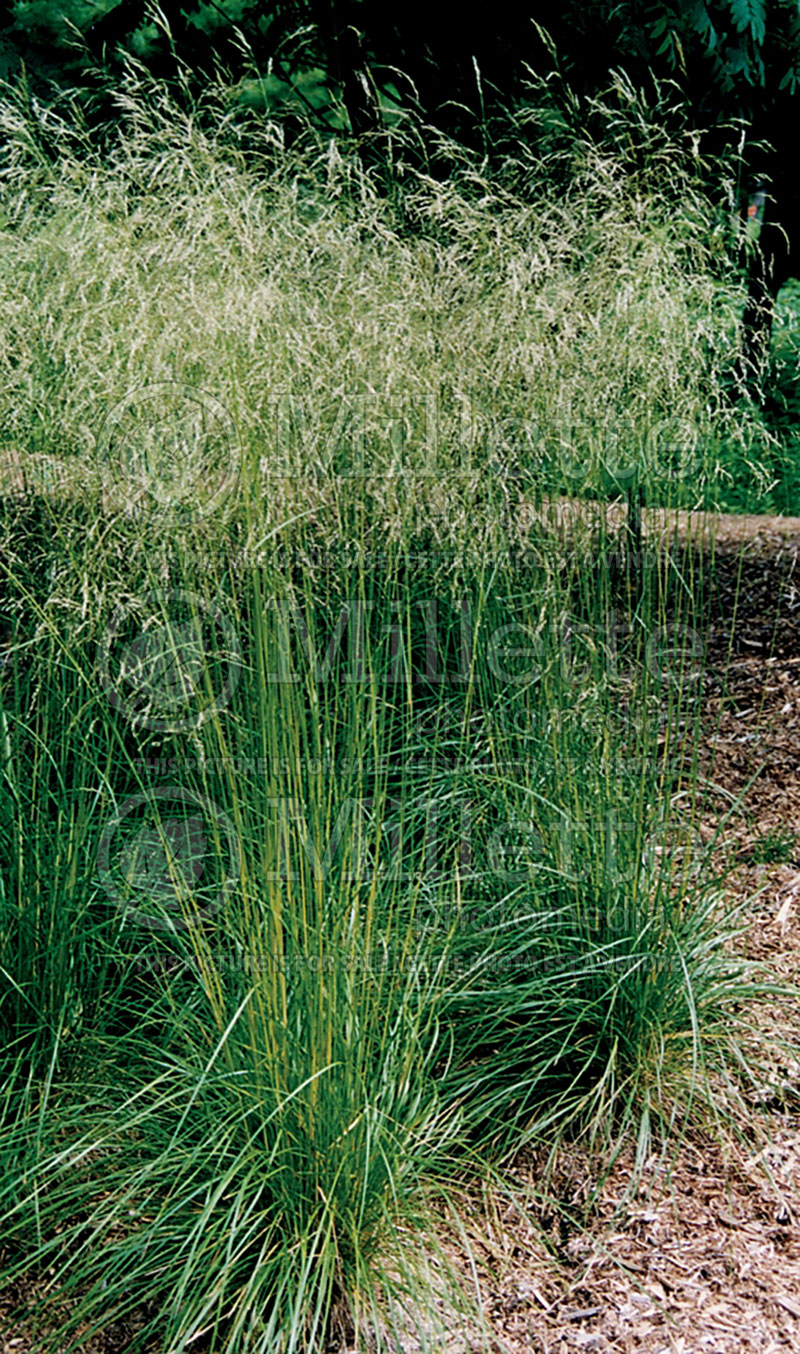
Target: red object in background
(755,207)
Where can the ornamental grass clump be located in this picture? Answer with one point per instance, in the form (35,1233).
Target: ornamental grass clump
(344,746)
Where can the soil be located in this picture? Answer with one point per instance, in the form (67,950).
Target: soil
(703,1257)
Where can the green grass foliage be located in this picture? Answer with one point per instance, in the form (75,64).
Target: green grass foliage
(348,809)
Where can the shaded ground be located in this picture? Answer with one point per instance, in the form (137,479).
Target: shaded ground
(705,1259)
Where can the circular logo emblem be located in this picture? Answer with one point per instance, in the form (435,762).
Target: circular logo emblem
(168,858)
(169,446)
(169,662)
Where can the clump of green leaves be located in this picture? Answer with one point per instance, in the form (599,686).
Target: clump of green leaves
(775,846)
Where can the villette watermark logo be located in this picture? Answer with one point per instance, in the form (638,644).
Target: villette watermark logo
(169,446)
(168,858)
(169,661)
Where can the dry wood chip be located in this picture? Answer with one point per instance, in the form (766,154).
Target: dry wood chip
(782,917)
(788,1304)
(728,1220)
(581,1313)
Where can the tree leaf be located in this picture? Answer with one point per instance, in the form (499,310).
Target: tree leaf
(750,16)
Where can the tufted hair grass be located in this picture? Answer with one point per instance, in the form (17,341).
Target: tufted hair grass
(339,747)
